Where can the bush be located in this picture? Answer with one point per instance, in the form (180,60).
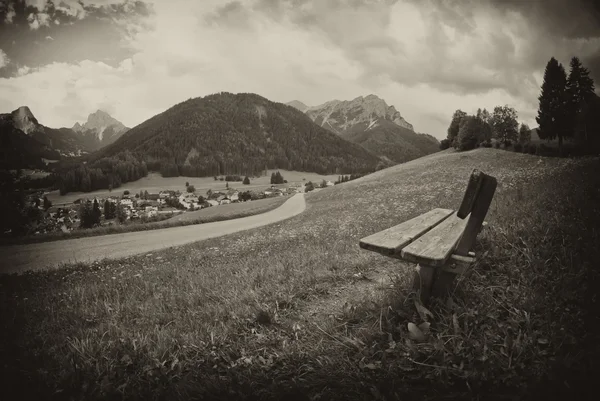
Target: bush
(191,188)
(518,147)
(497,145)
(444,144)
(126,192)
(246,181)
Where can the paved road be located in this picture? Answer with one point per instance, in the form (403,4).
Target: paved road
(48,255)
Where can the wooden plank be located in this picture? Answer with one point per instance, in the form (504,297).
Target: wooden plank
(477,216)
(389,242)
(435,247)
(470,197)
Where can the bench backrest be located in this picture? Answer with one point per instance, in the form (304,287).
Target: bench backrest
(475,204)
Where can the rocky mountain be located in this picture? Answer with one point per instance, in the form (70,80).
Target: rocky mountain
(371,123)
(242,133)
(25,142)
(100,129)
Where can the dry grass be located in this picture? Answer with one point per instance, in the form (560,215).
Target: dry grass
(296,310)
(215,213)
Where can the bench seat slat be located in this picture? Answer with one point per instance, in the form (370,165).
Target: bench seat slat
(436,246)
(389,242)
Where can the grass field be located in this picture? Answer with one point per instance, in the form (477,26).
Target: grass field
(154,183)
(215,213)
(297,311)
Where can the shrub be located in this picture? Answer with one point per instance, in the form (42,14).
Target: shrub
(190,188)
(444,144)
(126,192)
(532,148)
(497,145)
(518,147)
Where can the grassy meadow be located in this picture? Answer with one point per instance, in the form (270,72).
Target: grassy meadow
(154,183)
(296,310)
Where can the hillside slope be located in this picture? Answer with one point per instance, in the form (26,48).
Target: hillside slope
(312,315)
(374,125)
(244,133)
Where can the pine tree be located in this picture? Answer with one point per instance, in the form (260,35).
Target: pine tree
(580,93)
(553,111)
(246,181)
(96,213)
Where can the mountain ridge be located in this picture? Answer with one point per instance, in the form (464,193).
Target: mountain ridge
(370,122)
(244,133)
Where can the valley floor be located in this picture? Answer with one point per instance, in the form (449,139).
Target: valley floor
(295,310)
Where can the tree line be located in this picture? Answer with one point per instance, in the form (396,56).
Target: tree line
(568,108)
(108,172)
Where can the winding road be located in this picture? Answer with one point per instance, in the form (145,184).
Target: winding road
(49,255)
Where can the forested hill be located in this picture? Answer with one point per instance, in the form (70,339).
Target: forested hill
(243,133)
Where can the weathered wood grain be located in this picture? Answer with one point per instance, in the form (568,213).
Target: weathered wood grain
(435,247)
(389,242)
(470,197)
(478,213)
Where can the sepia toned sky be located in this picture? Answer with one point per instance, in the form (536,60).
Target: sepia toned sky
(66,58)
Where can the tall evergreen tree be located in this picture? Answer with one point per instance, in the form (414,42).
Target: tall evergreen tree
(580,93)
(96,213)
(553,111)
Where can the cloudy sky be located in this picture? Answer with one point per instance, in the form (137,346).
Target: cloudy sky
(66,58)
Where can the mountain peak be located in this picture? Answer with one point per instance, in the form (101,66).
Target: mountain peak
(100,122)
(24,119)
(340,116)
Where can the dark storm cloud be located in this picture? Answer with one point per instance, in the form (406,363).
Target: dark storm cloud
(552,22)
(98,36)
(569,19)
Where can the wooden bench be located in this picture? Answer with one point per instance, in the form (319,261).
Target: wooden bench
(439,241)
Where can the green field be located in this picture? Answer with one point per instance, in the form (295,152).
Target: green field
(296,310)
(154,183)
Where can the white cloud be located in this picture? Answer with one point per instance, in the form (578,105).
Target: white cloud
(39,4)
(4,60)
(10,14)
(38,20)
(401,55)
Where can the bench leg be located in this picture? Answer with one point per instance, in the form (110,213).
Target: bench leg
(423,281)
(442,283)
